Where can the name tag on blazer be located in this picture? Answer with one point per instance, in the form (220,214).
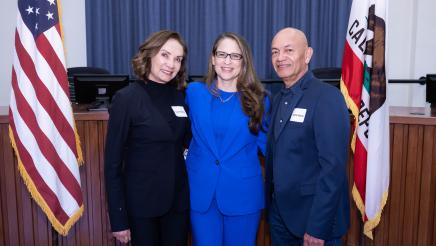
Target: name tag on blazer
(179,111)
(298,115)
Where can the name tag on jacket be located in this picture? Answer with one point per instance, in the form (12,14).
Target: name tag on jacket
(179,111)
(298,115)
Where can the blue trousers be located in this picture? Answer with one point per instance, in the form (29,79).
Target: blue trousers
(280,234)
(212,228)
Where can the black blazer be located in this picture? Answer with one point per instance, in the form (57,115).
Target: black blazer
(153,178)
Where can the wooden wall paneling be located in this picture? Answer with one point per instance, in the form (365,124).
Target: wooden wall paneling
(399,133)
(425,212)
(12,236)
(25,216)
(3,193)
(267,234)
(106,229)
(69,240)
(433,191)
(93,162)
(381,232)
(19,203)
(261,239)
(434,218)
(413,179)
(42,227)
(85,230)
(353,235)
(103,209)
(82,227)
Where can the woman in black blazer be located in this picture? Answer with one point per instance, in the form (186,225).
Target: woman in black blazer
(145,174)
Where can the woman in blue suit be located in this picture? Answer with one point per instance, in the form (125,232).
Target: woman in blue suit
(228,117)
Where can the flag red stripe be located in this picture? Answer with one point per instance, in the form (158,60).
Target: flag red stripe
(58,29)
(45,97)
(46,193)
(352,74)
(360,158)
(45,145)
(53,61)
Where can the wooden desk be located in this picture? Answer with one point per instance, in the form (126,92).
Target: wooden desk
(408,218)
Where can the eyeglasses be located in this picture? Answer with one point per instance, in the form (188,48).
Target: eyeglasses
(223,55)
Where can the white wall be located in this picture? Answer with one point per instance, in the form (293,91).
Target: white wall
(411,45)
(74,23)
(7,30)
(411,49)
(73,20)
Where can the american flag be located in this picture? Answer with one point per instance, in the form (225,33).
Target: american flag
(41,123)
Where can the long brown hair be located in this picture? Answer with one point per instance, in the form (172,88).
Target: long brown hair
(142,61)
(248,85)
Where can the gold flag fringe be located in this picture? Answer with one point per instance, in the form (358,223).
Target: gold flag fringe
(372,223)
(80,160)
(354,111)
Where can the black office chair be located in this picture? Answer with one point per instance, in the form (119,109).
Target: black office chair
(330,75)
(81,70)
(327,72)
(86,70)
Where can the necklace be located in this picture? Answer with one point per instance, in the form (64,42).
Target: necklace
(227,99)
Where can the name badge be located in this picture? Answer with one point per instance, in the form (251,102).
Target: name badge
(179,111)
(298,115)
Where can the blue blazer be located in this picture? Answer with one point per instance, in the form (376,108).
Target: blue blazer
(306,161)
(234,177)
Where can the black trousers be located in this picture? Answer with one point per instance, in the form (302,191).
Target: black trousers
(170,229)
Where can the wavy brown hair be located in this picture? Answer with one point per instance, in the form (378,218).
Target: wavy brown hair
(142,61)
(248,85)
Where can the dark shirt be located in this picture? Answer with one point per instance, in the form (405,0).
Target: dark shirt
(285,96)
(162,96)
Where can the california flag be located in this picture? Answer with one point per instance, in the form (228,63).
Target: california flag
(363,85)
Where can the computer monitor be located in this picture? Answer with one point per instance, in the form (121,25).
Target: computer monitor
(430,94)
(98,89)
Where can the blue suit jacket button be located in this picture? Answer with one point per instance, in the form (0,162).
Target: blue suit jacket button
(217,162)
